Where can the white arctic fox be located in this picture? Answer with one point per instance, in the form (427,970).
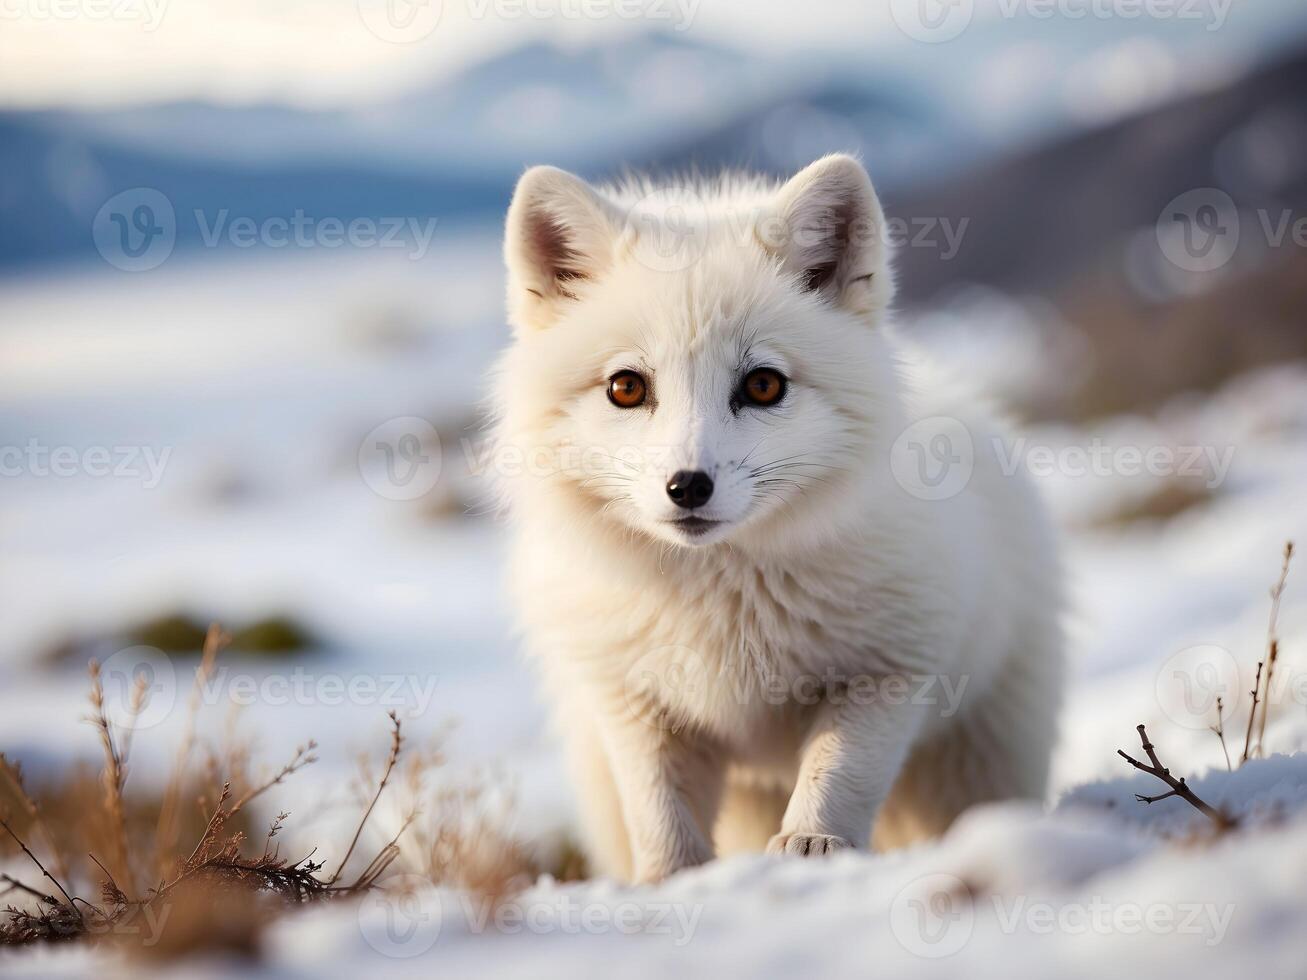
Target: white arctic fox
(765,616)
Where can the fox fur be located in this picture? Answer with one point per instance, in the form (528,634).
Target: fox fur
(835,653)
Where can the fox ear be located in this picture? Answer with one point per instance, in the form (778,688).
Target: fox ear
(831,234)
(559,234)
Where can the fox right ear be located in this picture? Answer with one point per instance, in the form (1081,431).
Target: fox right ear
(560,233)
(832,237)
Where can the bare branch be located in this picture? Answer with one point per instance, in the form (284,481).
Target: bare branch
(15,883)
(1178,787)
(26,850)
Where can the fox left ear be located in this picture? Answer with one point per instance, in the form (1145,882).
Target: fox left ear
(560,233)
(831,234)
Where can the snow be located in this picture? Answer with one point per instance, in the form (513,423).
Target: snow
(262,395)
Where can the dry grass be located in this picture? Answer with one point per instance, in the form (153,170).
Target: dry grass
(185,869)
(1261,698)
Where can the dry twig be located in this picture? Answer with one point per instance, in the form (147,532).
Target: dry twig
(1219,730)
(1178,786)
(1252,713)
(396,744)
(1273,642)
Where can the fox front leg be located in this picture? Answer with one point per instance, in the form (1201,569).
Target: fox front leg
(849,761)
(669,786)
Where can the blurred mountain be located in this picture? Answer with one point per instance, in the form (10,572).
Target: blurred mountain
(1076,222)
(56,179)
(1071,220)
(453,151)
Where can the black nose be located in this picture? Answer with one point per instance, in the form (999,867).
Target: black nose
(689,488)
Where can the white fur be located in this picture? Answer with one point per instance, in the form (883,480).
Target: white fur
(703,685)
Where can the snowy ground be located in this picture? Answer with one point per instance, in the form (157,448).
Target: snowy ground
(257,385)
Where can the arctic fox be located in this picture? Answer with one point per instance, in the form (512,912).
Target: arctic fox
(782,597)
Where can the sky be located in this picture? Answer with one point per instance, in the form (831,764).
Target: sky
(342,52)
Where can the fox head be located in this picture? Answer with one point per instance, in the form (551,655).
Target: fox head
(697,364)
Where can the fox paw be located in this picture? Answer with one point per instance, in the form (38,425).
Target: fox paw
(807,845)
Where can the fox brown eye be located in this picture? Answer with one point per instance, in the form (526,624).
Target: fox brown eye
(763,386)
(626,389)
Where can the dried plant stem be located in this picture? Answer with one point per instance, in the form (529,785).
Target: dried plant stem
(15,883)
(1252,713)
(384,857)
(303,757)
(1219,729)
(1273,641)
(1178,786)
(26,850)
(114,776)
(14,776)
(168,827)
(215,864)
(396,742)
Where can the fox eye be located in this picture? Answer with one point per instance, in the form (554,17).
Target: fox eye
(763,386)
(627,389)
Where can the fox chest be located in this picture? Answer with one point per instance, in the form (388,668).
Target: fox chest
(744,659)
